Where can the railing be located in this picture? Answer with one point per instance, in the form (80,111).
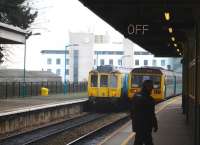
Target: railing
(15,89)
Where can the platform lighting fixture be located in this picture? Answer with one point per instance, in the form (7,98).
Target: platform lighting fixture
(167,16)
(180,54)
(175,45)
(173,39)
(170,29)
(178,50)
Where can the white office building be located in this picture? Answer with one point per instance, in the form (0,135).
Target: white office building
(87,51)
(144,58)
(54,61)
(107,54)
(79,57)
(135,56)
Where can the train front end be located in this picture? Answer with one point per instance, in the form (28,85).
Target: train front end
(139,75)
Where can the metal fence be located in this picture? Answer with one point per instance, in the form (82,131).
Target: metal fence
(15,89)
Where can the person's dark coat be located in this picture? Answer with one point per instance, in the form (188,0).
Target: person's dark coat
(143,113)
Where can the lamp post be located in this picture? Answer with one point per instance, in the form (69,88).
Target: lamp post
(24,73)
(65,82)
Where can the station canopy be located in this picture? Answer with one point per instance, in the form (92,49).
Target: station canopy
(11,35)
(159,26)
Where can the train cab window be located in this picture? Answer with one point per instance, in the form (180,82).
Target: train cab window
(113,81)
(104,81)
(137,81)
(156,82)
(94,80)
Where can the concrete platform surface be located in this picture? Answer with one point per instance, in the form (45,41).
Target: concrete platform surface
(7,105)
(173,129)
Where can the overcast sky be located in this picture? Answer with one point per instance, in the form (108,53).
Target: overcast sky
(55,19)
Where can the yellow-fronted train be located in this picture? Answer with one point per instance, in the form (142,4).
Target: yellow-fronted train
(115,86)
(108,86)
(166,83)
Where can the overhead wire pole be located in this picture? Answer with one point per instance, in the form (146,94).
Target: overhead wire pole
(24,92)
(24,73)
(65,81)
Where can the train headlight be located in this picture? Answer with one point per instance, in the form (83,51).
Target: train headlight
(133,91)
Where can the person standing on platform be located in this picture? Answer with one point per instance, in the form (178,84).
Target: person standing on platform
(143,114)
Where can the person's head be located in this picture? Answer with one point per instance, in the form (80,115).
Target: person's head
(147,86)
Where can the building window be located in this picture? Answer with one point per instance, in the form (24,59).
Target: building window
(67,71)
(137,62)
(120,62)
(102,62)
(110,61)
(95,62)
(162,62)
(58,61)
(58,71)
(49,61)
(142,53)
(67,61)
(98,38)
(49,70)
(169,67)
(108,52)
(145,62)
(154,62)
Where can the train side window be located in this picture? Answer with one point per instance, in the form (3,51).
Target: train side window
(113,81)
(94,80)
(104,81)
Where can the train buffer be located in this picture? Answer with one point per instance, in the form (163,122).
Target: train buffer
(173,129)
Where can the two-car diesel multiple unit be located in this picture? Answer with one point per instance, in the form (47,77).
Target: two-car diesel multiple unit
(165,83)
(108,84)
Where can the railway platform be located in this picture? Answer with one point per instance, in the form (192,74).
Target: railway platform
(173,129)
(18,103)
(21,114)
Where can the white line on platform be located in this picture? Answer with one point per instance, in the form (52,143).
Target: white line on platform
(38,107)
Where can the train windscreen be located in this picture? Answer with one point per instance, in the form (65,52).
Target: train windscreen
(104,81)
(137,81)
(94,80)
(113,81)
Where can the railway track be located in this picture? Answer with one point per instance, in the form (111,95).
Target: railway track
(54,134)
(38,134)
(98,134)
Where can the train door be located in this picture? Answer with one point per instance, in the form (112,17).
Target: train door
(157,87)
(114,90)
(164,88)
(104,82)
(175,85)
(93,85)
